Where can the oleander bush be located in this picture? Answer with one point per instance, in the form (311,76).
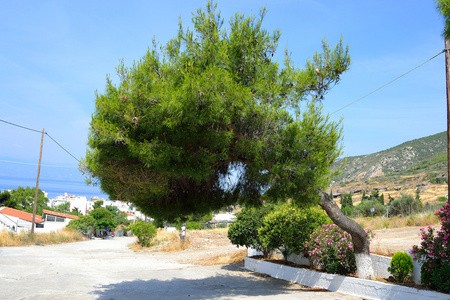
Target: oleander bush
(434,252)
(331,249)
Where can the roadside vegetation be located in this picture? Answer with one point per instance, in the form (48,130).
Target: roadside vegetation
(12,239)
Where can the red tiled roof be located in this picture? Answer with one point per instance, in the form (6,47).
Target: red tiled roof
(20,214)
(130,215)
(58,214)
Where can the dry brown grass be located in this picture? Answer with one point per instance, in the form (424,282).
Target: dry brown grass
(12,239)
(201,247)
(421,219)
(224,259)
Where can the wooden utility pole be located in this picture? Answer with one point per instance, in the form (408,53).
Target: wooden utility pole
(37,185)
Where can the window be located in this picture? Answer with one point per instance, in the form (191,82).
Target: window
(59,219)
(50,218)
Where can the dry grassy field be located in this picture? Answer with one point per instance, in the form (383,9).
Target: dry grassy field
(211,247)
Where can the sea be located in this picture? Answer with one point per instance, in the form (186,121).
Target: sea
(53,181)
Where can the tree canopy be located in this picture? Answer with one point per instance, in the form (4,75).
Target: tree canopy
(212,119)
(23,199)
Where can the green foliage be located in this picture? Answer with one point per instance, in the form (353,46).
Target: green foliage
(331,249)
(401,266)
(98,204)
(443,6)
(405,205)
(346,200)
(104,218)
(62,208)
(288,228)
(113,209)
(100,213)
(5,199)
(144,231)
(210,103)
(365,207)
(23,199)
(244,230)
(434,252)
(121,219)
(194,221)
(83,224)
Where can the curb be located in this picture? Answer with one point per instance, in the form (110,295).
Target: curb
(342,284)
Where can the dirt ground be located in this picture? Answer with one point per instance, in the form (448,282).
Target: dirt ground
(213,247)
(390,240)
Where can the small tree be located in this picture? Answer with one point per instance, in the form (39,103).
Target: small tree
(144,231)
(401,266)
(63,207)
(103,218)
(381,199)
(405,205)
(288,228)
(98,204)
(244,230)
(23,199)
(83,224)
(346,201)
(365,208)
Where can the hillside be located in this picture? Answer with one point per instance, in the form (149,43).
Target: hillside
(417,164)
(426,154)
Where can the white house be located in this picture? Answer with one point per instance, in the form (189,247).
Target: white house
(18,221)
(54,221)
(79,202)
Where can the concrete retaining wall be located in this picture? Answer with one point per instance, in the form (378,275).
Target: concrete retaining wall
(380,263)
(348,285)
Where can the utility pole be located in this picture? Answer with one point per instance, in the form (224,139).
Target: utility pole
(447,77)
(37,185)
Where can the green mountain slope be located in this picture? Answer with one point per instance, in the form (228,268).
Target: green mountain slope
(428,154)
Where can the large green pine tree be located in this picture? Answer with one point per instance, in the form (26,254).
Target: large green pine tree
(212,119)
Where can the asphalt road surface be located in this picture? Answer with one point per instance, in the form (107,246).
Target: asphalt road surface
(108,269)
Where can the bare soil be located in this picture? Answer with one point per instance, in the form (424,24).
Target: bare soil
(208,247)
(390,240)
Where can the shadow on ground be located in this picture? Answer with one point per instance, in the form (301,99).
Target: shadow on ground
(241,284)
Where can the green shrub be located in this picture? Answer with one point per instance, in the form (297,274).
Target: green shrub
(83,224)
(244,230)
(288,228)
(405,205)
(401,266)
(365,208)
(144,231)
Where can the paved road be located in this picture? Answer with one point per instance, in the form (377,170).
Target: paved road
(107,269)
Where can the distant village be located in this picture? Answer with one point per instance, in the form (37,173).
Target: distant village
(18,221)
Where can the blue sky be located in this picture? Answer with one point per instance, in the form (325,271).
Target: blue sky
(54,55)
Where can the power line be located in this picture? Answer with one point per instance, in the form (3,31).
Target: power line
(62,147)
(34,164)
(376,90)
(39,131)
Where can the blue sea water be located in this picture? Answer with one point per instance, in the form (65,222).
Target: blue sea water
(53,187)
(54,181)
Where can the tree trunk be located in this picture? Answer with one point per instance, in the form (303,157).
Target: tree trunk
(360,242)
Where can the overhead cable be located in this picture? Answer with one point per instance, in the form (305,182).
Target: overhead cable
(390,82)
(34,164)
(39,131)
